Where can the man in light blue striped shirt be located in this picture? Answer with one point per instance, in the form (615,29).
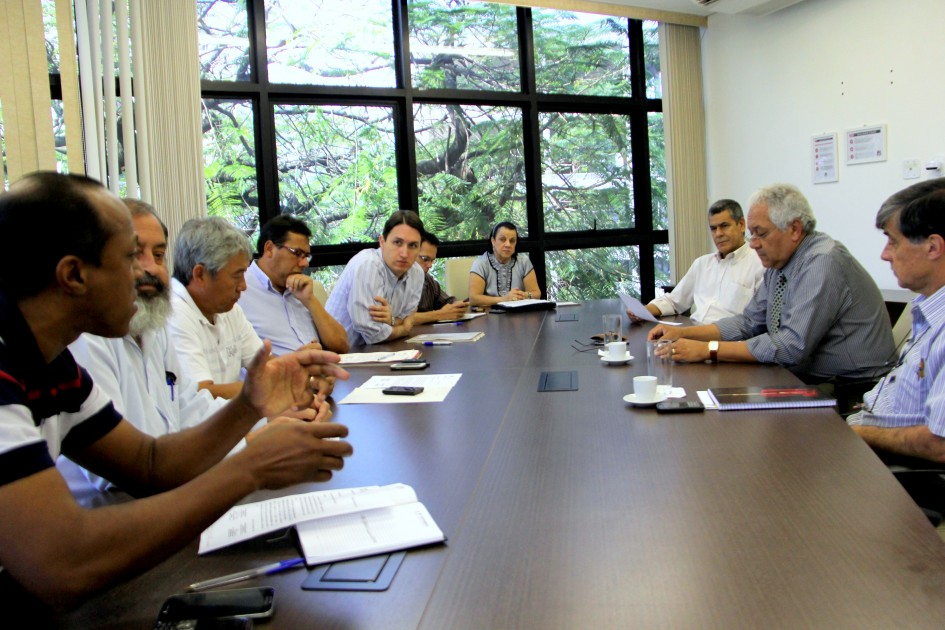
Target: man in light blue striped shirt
(378,292)
(818,312)
(905,413)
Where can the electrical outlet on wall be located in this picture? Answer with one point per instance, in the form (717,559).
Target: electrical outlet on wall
(911,168)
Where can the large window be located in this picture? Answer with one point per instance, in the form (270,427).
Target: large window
(468,112)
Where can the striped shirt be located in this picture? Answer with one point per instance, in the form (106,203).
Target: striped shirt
(913,393)
(833,319)
(366,276)
(45,408)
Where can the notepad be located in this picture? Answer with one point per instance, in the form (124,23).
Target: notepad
(734,398)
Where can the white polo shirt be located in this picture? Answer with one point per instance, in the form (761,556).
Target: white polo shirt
(210,352)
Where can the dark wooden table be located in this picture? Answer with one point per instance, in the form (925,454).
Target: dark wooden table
(573,510)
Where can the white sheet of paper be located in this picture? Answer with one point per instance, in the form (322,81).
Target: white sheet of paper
(435,389)
(636,307)
(243,522)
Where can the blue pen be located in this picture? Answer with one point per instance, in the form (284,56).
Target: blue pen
(438,343)
(450,324)
(268,569)
(171,379)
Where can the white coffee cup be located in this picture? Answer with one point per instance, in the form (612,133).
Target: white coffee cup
(644,388)
(617,350)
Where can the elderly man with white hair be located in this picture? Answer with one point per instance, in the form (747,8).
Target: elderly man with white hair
(818,312)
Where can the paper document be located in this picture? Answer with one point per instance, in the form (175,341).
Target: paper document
(367,533)
(333,524)
(462,318)
(435,388)
(636,307)
(243,522)
(463,337)
(377,358)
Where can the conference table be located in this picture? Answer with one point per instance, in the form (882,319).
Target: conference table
(572,509)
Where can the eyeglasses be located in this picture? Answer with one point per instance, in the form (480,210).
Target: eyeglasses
(426,259)
(301,254)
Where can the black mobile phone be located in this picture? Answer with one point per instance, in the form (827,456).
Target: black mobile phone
(236,602)
(679,406)
(400,390)
(226,623)
(410,364)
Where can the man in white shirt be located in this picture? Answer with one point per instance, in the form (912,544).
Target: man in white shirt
(140,372)
(278,300)
(719,284)
(212,336)
(378,292)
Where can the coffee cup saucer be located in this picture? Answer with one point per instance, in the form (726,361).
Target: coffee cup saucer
(626,357)
(632,399)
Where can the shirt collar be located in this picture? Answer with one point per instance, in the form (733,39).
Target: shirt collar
(738,254)
(18,336)
(178,289)
(392,278)
(931,308)
(804,245)
(262,280)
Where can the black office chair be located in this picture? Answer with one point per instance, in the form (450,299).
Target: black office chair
(924,481)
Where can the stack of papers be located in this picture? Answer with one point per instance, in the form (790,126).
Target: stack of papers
(377,358)
(464,337)
(333,524)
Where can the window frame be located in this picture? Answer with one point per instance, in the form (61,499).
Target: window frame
(264,95)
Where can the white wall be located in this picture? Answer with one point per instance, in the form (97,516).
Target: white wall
(825,66)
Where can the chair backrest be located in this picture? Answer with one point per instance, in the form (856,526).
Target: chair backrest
(457,276)
(318,289)
(903,326)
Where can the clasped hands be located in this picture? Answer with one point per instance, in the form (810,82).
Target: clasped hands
(681,349)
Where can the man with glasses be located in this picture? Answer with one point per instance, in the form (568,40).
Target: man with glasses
(378,292)
(818,312)
(434,303)
(904,414)
(279,300)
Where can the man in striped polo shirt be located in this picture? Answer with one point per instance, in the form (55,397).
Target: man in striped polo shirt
(68,266)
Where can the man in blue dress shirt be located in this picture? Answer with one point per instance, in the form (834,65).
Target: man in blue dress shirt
(378,292)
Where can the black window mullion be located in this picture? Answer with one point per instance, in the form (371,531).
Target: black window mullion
(404,140)
(266,174)
(534,207)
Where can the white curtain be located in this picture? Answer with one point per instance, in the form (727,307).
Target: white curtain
(150,48)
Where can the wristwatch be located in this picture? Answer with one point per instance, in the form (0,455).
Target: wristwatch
(529,294)
(714,351)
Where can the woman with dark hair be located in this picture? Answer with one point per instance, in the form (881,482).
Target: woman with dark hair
(502,275)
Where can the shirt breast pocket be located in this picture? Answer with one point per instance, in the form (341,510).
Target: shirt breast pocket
(736,296)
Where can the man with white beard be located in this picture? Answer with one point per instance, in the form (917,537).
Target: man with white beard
(140,372)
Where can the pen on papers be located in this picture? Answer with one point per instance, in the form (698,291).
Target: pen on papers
(268,569)
(438,343)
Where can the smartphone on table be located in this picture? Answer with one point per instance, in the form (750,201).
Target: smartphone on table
(401,390)
(410,364)
(194,611)
(679,406)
